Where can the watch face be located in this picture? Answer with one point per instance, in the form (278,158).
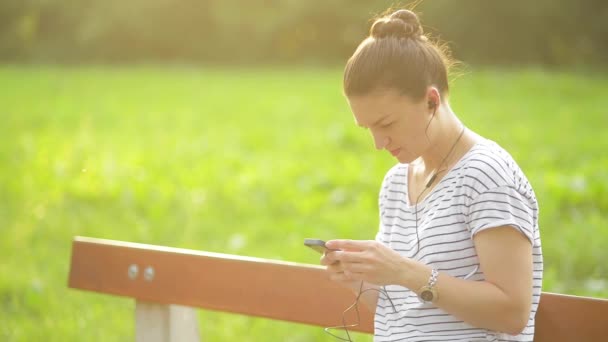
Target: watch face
(426,295)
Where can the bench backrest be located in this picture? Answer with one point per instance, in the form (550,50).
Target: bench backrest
(272,289)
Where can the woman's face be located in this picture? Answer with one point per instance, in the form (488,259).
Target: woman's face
(396,122)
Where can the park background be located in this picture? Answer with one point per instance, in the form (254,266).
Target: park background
(220,125)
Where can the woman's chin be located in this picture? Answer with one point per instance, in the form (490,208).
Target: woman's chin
(405,159)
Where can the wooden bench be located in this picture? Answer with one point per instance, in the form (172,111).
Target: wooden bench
(169,283)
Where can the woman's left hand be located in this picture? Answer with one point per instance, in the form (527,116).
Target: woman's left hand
(370,261)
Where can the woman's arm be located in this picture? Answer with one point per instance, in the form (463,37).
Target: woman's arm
(501,303)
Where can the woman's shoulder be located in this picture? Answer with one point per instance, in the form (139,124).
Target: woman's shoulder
(488,165)
(396,172)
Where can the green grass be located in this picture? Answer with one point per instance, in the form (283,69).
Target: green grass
(250,162)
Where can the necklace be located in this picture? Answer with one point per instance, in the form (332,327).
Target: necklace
(434,176)
(430,182)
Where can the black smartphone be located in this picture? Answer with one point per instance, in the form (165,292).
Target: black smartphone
(317,245)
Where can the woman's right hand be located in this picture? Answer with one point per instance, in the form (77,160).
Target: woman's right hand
(335,270)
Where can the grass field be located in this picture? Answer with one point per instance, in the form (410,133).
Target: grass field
(250,162)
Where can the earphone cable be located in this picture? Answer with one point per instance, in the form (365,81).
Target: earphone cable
(383,290)
(355,305)
(430,182)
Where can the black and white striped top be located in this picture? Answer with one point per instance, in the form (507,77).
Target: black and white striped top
(485,189)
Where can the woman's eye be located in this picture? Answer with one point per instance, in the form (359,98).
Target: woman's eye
(386,125)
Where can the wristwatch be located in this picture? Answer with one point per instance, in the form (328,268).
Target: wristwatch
(428,293)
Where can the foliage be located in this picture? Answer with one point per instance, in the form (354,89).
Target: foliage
(567,32)
(251,162)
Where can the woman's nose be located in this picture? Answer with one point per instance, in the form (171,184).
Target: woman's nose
(380,141)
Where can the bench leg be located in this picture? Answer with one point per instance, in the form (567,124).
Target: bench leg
(165,323)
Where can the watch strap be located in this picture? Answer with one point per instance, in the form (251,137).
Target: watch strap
(433,278)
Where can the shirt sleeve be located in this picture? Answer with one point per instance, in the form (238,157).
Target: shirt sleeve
(380,233)
(381,203)
(503,206)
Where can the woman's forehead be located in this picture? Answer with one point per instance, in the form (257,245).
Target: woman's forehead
(381,98)
(372,109)
(378,103)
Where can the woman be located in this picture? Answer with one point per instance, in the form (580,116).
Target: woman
(458,253)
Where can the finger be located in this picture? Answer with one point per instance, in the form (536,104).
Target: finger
(335,268)
(340,277)
(349,245)
(346,276)
(330,255)
(328,259)
(354,275)
(356,268)
(325,260)
(354,257)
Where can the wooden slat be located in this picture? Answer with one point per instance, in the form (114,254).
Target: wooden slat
(273,289)
(251,286)
(571,318)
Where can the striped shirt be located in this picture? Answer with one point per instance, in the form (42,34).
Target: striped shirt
(485,189)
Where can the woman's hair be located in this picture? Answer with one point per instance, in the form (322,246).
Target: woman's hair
(397,55)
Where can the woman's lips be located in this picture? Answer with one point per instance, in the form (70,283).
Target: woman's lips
(395,152)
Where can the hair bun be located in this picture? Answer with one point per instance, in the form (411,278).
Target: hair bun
(402,24)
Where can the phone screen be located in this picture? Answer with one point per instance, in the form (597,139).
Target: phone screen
(317,245)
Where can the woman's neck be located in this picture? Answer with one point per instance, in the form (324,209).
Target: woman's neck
(449,142)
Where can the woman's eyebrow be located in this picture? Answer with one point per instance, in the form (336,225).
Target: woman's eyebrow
(377,122)
(380,120)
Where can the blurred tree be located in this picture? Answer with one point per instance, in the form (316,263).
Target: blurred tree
(566,32)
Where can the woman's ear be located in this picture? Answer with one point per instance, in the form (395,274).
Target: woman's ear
(433,97)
